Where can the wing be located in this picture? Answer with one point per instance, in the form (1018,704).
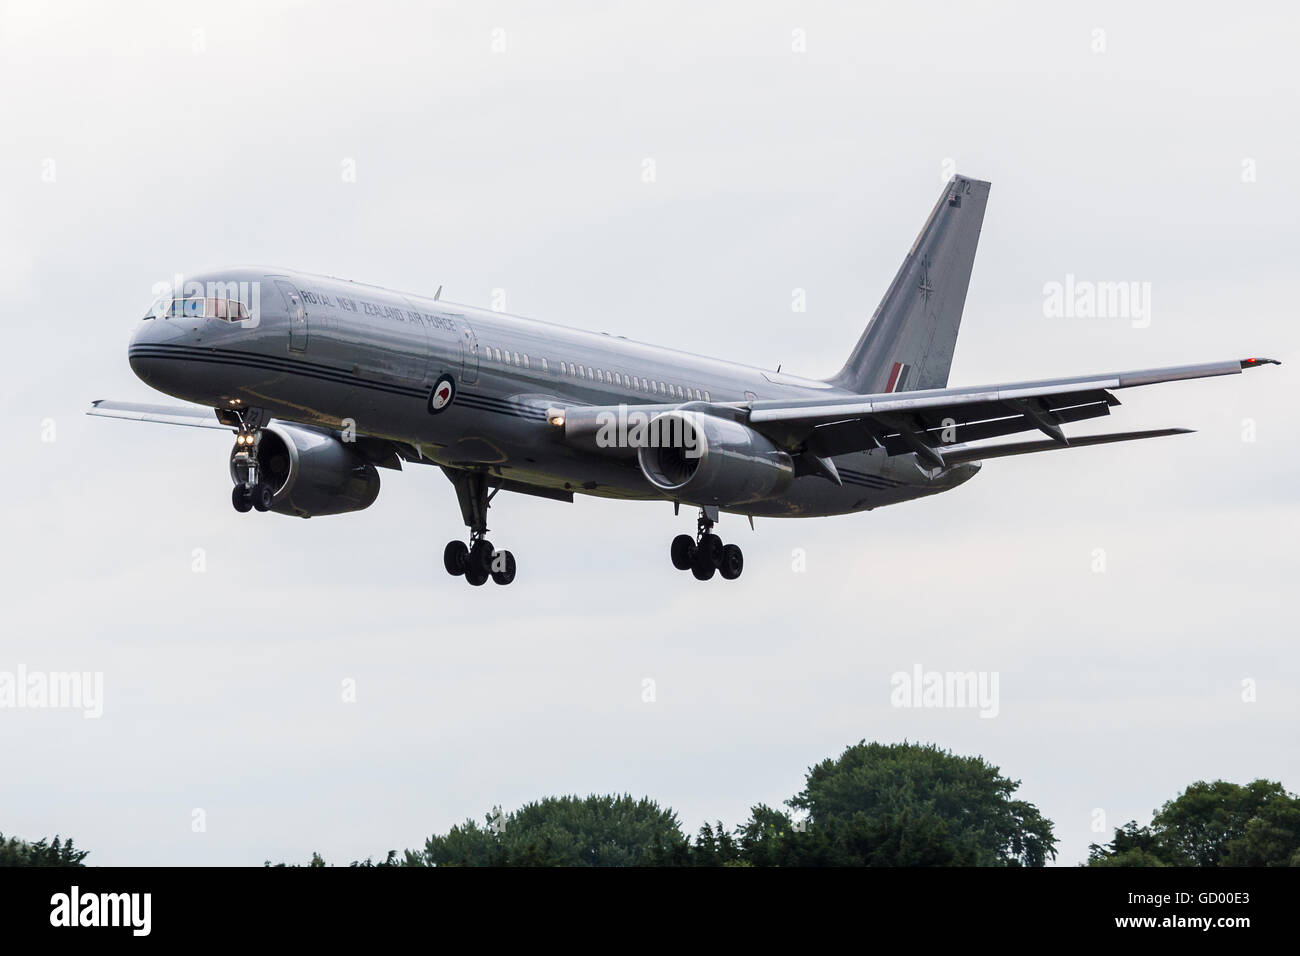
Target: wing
(939,425)
(166,414)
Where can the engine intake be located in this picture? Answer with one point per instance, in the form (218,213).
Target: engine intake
(701,459)
(311,473)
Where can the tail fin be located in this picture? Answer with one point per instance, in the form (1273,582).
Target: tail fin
(908,343)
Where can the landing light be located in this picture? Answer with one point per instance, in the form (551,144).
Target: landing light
(557,420)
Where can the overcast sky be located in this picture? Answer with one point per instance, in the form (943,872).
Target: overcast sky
(502,146)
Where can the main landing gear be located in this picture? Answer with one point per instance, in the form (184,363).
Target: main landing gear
(250,492)
(705,553)
(478,560)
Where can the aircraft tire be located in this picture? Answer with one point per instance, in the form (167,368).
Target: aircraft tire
(263,496)
(455,557)
(507,574)
(733,562)
(711,545)
(480,557)
(702,566)
(683,550)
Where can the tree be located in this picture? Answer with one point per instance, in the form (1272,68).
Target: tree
(1212,824)
(905,805)
(1133,846)
(16,852)
(597,830)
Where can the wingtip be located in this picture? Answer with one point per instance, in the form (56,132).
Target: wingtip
(1255,362)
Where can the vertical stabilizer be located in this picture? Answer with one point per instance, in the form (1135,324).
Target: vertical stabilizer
(909,342)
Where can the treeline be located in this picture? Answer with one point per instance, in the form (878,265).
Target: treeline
(1212,824)
(16,852)
(874,805)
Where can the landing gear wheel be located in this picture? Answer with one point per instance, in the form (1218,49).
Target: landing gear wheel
(733,562)
(504,572)
(711,545)
(455,557)
(241,499)
(476,577)
(683,550)
(263,496)
(703,565)
(480,557)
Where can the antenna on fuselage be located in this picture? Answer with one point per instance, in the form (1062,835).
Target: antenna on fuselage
(437,295)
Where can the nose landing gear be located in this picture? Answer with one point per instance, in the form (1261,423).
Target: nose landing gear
(705,553)
(251,492)
(478,560)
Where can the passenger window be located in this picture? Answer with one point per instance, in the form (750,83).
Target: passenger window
(526,365)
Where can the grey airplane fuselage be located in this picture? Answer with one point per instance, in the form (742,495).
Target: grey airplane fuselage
(346,354)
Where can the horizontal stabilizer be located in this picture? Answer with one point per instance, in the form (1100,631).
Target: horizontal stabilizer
(956,456)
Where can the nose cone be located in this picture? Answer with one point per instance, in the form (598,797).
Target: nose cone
(151,350)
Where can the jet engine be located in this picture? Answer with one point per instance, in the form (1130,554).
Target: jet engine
(702,459)
(309,472)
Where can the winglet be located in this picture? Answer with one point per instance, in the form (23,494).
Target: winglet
(1253,362)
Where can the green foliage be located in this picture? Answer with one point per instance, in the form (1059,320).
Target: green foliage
(1212,824)
(908,805)
(876,805)
(319,861)
(16,852)
(561,831)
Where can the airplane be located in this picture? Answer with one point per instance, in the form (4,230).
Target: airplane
(324,381)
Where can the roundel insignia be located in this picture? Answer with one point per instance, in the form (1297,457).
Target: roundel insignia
(444,392)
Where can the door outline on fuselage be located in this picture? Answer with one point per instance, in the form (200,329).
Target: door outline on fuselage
(297,309)
(468,354)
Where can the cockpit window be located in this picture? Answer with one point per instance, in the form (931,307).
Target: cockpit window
(230,310)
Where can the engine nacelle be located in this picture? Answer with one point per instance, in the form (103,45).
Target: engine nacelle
(701,459)
(311,473)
